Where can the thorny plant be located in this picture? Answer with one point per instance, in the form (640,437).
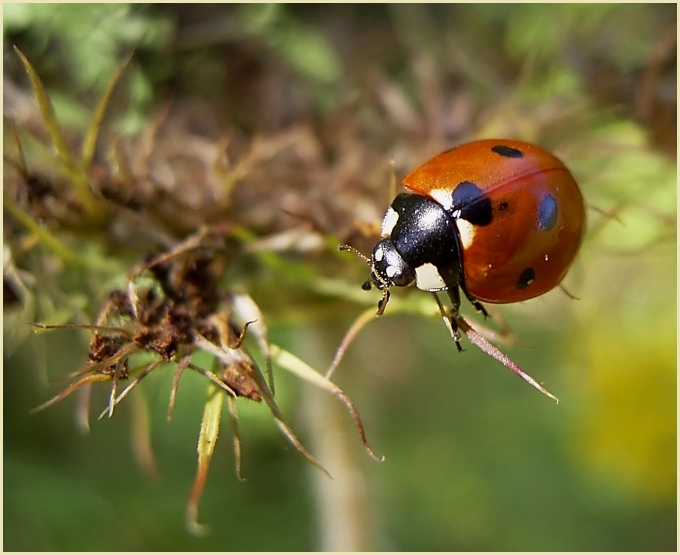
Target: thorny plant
(183,311)
(172,307)
(173,304)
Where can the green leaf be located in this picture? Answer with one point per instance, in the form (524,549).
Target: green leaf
(47,111)
(90,141)
(210,428)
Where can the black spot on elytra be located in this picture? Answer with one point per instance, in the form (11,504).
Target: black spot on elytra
(526,278)
(547,212)
(471,204)
(507,151)
(503,206)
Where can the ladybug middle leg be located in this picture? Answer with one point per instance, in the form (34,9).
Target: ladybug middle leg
(478,306)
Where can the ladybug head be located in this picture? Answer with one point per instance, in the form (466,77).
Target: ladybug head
(388,269)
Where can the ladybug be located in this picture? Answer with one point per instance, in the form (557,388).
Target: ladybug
(500,220)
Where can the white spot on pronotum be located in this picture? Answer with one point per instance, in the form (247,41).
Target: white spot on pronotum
(443,197)
(389,221)
(546,257)
(378,255)
(391,271)
(466,231)
(428,278)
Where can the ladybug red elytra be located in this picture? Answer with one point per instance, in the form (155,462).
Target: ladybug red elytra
(501,220)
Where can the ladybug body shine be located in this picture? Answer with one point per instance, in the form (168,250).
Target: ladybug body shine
(500,220)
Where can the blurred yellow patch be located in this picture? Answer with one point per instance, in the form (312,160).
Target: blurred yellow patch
(627,427)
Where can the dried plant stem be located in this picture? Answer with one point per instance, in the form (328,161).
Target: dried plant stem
(360,323)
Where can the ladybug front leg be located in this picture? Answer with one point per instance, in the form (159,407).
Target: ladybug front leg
(383,302)
(450,316)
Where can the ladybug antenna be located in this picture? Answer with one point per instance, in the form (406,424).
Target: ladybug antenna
(369,283)
(351,249)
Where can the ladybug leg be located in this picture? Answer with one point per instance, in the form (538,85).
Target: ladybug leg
(383,302)
(450,316)
(454,295)
(478,306)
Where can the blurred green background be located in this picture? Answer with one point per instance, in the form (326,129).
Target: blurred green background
(474,458)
